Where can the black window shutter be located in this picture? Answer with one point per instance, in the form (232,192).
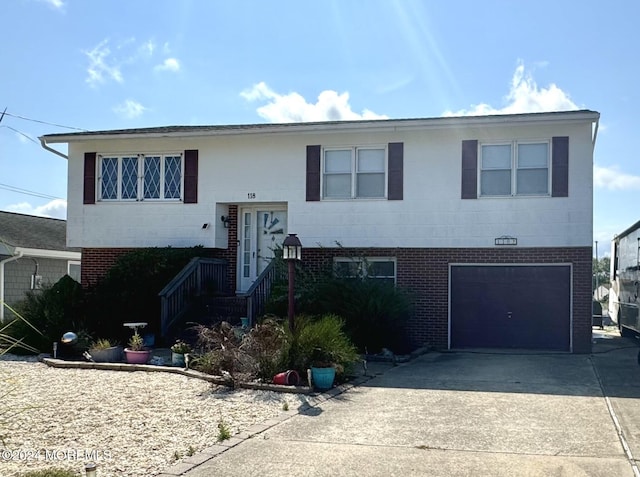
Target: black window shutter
(191,176)
(89,192)
(470,169)
(560,167)
(396,171)
(313,173)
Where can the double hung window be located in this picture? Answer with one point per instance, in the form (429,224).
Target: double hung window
(515,168)
(354,173)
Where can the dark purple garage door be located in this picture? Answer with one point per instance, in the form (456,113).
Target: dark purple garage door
(509,306)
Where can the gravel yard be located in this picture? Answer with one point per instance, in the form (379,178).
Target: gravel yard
(131,423)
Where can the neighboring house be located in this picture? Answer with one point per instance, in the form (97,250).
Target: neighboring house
(487,220)
(33,252)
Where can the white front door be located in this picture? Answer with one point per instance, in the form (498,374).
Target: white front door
(262,230)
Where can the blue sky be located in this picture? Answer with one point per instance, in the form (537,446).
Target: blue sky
(120,64)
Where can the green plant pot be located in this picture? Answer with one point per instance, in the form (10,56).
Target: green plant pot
(323,378)
(177,359)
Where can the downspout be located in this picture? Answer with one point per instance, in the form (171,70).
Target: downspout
(2,262)
(45,146)
(595,134)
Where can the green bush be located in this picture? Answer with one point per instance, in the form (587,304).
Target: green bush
(129,290)
(50,313)
(375,311)
(323,338)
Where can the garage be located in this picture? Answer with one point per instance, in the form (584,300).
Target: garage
(510,306)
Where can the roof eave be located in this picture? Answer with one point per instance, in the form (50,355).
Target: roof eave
(379,125)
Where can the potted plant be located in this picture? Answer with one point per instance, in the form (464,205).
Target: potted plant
(323,370)
(105,351)
(178,350)
(136,353)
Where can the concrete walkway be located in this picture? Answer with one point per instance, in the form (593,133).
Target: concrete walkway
(460,414)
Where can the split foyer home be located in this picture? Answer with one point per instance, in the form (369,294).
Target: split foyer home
(486,219)
(33,253)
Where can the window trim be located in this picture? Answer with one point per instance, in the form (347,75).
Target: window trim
(514,168)
(140,176)
(74,262)
(353,172)
(363,270)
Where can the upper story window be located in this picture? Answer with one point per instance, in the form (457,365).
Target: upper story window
(515,168)
(140,177)
(354,173)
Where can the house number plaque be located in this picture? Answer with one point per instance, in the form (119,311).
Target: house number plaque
(251,195)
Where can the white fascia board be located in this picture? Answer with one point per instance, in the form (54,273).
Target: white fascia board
(41,253)
(379,125)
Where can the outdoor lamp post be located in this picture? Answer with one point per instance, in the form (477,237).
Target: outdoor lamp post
(291,252)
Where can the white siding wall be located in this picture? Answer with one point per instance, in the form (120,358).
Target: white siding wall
(273,168)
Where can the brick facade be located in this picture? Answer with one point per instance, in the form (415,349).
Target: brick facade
(425,272)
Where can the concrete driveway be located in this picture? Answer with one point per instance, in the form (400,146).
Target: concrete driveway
(463,414)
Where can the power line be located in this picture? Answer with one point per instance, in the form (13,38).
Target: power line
(43,122)
(21,133)
(27,192)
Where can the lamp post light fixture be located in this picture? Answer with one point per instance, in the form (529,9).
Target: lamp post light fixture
(291,252)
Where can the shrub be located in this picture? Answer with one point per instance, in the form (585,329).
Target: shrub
(324,336)
(375,312)
(259,353)
(269,347)
(45,315)
(129,290)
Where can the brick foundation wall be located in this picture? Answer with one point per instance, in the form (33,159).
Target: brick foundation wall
(425,272)
(97,261)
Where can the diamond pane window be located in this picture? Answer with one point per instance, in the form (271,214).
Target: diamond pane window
(129,186)
(152,177)
(109,178)
(141,177)
(172,177)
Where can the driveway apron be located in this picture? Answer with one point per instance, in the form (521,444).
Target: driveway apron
(448,414)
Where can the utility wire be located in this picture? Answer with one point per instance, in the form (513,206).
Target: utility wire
(21,133)
(27,192)
(43,122)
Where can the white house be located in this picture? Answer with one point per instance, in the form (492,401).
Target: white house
(487,219)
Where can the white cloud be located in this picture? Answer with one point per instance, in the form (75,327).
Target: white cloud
(612,178)
(292,107)
(170,64)
(130,109)
(56,4)
(99,66)
(148,47)
(57,208)
(525,96)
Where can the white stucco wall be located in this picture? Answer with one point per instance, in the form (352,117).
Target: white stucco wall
(272,166)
